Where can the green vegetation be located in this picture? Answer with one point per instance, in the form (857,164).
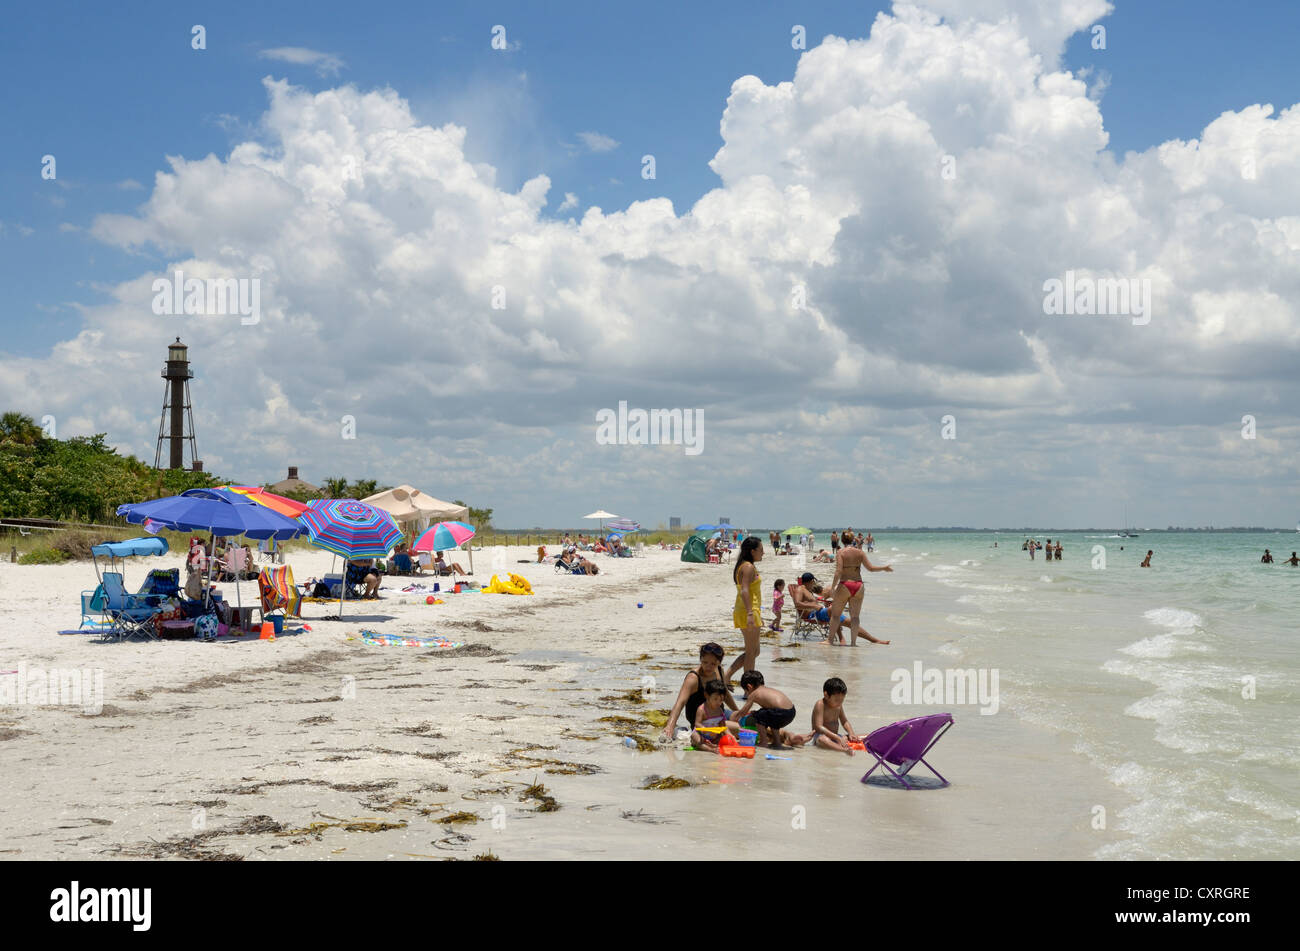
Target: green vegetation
(80,479)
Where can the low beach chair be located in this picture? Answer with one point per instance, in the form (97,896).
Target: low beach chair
(162,583)
(128,614)
(92,608)
(807,627)
(278,592)
(905,744)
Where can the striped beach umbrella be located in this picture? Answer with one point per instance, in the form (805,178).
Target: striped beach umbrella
(443,536)
(351,529)
(276,503)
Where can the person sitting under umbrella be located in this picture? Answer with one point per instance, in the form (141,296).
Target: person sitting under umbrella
(363,572)
(445,569)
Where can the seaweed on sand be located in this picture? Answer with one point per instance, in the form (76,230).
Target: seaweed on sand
(657,718)
(642,744)
(635,695)
(665,782)
(785,660)
(347,825)
(488,856)
(193,847)
(545,801)
(458,817)
(621,721)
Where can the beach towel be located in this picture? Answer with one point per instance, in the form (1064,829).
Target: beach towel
(380,639)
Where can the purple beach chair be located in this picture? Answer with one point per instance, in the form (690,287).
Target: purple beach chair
(905,744)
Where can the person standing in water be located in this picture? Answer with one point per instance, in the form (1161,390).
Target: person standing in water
(1267,559)
(1146,562)
(847,588)
(748,611)
(1293,561)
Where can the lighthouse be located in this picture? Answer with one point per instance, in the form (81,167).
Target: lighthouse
(176,428)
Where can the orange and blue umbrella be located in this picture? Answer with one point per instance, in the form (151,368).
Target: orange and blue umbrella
(276,503)
(443,537)
(351,529)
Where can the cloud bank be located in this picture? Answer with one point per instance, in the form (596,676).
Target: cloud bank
(873,259)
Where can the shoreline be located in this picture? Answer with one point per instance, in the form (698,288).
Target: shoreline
(209,750)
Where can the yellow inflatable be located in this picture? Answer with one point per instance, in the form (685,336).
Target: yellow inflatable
(517,585)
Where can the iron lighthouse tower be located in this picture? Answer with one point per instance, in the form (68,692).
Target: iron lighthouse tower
(177,424)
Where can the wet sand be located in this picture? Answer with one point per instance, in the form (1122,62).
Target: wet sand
(235,749)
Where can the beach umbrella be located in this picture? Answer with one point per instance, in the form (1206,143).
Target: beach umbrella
(707,528)
(624,525)
(796,530)
(602,515)
(443,537)
(289,508)
(219,512)
(350,529)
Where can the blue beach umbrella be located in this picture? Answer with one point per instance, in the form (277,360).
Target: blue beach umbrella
(216,511)
(219,512)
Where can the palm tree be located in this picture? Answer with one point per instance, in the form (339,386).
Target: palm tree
(364,488)
(335,488)
(20,429)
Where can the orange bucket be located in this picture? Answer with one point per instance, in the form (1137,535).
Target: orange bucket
(268,631)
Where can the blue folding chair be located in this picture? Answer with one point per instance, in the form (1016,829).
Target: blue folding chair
(129,614)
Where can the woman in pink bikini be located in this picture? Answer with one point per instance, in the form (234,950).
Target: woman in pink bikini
(848,589)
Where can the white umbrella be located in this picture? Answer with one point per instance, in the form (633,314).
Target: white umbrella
(602,515)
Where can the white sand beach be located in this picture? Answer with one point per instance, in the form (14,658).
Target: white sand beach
(216,750)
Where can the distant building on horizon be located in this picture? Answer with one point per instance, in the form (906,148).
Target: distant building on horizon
(294,484)
(674,523)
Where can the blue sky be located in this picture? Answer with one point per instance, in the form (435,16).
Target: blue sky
(924,296)
(111,90)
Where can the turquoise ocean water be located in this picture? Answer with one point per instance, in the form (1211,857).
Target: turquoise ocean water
(1180,682)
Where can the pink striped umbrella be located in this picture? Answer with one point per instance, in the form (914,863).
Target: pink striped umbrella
(443,536)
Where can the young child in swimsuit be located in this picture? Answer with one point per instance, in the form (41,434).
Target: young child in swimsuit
(827,716)
(712,713)
(691,697)
(778,603)
(776,711)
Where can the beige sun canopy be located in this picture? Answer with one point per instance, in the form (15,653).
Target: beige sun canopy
(411,507)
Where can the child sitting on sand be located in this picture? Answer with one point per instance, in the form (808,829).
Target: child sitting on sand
(827,716)
(712,713)
(778,603)
(776,711)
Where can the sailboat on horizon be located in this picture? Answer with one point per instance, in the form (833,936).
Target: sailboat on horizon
(1128,530)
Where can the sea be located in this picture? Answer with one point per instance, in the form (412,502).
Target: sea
(1179,682)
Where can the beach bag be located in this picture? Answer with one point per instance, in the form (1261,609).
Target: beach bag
(205,627)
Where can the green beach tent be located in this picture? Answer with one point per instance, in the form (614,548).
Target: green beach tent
(695,548)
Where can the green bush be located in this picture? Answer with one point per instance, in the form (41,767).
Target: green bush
(43,556)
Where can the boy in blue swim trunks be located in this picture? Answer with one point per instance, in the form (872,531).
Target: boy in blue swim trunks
(775,712)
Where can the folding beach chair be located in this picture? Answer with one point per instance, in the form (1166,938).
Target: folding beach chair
(278,592)
(129,614)
(806,627)
(92,608)
(161,584)
(905,744)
